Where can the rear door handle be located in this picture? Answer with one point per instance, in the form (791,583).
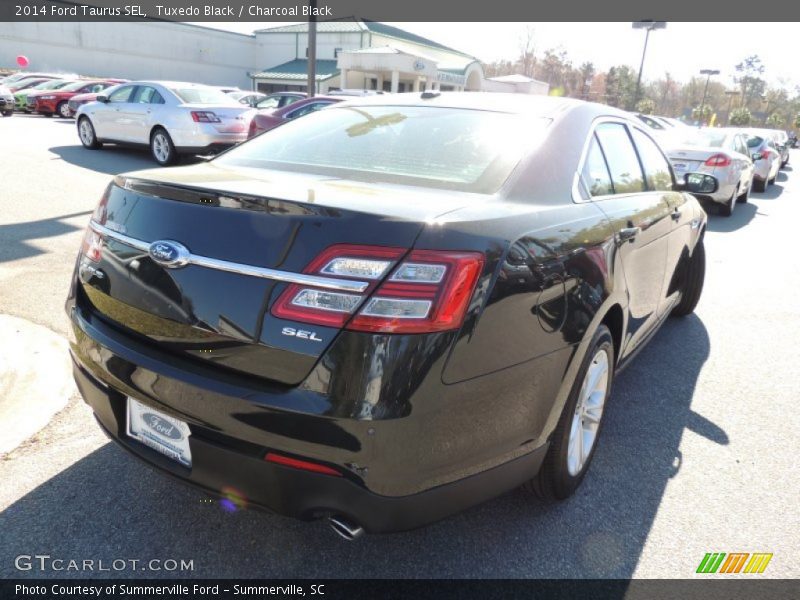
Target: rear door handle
(628,234)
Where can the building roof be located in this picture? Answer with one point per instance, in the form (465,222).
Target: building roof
(516,78)
(297,69)
(353,25)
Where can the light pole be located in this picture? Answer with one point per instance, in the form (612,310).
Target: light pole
(312,49)
(730,94)
(648,26)
(708,73)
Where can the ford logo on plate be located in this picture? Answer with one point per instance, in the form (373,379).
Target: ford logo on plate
(169,254)
(162,426)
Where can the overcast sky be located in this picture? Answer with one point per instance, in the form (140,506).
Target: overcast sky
(682,48)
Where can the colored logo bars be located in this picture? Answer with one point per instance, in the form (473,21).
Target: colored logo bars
(735,562)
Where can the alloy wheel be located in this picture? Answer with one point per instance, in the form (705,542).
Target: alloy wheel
(161,147)
(85,130)
(588,412)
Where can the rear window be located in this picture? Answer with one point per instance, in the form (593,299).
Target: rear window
(447,148)
(201,95)
(713,139)
(74,87)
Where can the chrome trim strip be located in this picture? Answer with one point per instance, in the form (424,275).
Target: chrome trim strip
(328,283)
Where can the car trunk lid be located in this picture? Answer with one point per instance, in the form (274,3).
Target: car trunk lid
(275,221)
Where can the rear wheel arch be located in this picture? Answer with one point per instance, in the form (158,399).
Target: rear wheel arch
(614,319)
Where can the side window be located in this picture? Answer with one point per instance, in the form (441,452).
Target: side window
(656,167)
(741,145)
(595,171)
(623,164)
(123,94)
(148,95)
(271,102)
(308,108)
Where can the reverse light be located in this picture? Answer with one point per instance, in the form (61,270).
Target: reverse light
(287,461)
(428,291)
(718,160)
(204,116)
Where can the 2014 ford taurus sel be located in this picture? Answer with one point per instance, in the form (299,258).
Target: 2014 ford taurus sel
(389,310)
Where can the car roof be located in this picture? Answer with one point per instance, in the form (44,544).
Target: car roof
(533,105)
(173,84)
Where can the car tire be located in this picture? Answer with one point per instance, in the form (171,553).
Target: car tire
(759,185)
(8,113)
(161,147)
(63,110)
(726,210)
(561,472)
(693,283)
(87,134)
(745,196)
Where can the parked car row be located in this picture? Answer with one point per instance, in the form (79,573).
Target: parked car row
(742,159)
(49,94)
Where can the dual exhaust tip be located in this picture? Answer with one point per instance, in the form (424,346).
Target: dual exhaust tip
(346,528)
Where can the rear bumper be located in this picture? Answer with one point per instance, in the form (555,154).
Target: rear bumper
(106,372)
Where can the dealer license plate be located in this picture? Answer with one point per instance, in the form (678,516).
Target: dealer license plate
(163,433)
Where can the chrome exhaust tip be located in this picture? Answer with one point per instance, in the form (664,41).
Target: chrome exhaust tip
(345,528)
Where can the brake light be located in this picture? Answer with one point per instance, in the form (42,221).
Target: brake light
(765,154)
(253,128)
(428,291)
(718,160)
(204,116)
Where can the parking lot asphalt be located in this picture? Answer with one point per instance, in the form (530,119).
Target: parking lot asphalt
(699,452)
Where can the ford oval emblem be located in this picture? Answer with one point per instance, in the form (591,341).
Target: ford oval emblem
(162,426)
(169,254)
(419,65)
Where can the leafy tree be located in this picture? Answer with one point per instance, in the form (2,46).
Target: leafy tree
(797,121)
(702,114)
(741,116)
(620,86)
(775,120)
(750,80)
(646,106)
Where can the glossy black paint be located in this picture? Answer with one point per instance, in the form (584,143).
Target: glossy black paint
(399,415)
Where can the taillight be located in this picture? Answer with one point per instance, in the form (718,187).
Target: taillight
(92,245)
(204,116)
(428,291)
(253,128)
(765,154)
(718,160)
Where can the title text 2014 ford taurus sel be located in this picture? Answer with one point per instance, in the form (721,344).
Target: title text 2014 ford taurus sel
(386,311)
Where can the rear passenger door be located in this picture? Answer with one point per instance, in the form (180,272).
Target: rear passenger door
(659,181)
(641,221)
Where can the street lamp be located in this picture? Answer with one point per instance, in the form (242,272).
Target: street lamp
(648,26)
(708,73)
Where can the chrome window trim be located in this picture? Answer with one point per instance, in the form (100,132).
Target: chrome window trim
(577,197)
(328,283)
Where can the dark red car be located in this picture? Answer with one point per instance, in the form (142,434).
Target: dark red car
(56,102)
(269,119)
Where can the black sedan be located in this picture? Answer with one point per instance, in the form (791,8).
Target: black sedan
(388,311)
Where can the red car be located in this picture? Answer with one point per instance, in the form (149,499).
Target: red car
(56,101)
(80,99)
(269,119)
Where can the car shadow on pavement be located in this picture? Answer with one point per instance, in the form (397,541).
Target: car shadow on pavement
(111,160)
(742,215)
(15,237)
(108,505)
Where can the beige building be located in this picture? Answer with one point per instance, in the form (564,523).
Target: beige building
(357,54)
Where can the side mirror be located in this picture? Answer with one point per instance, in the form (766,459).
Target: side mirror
(755,156)
(102,98)
(700,183)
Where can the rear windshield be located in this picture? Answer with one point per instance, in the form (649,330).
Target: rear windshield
(705,138)
(201,95)
(447,148)
(53,84)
